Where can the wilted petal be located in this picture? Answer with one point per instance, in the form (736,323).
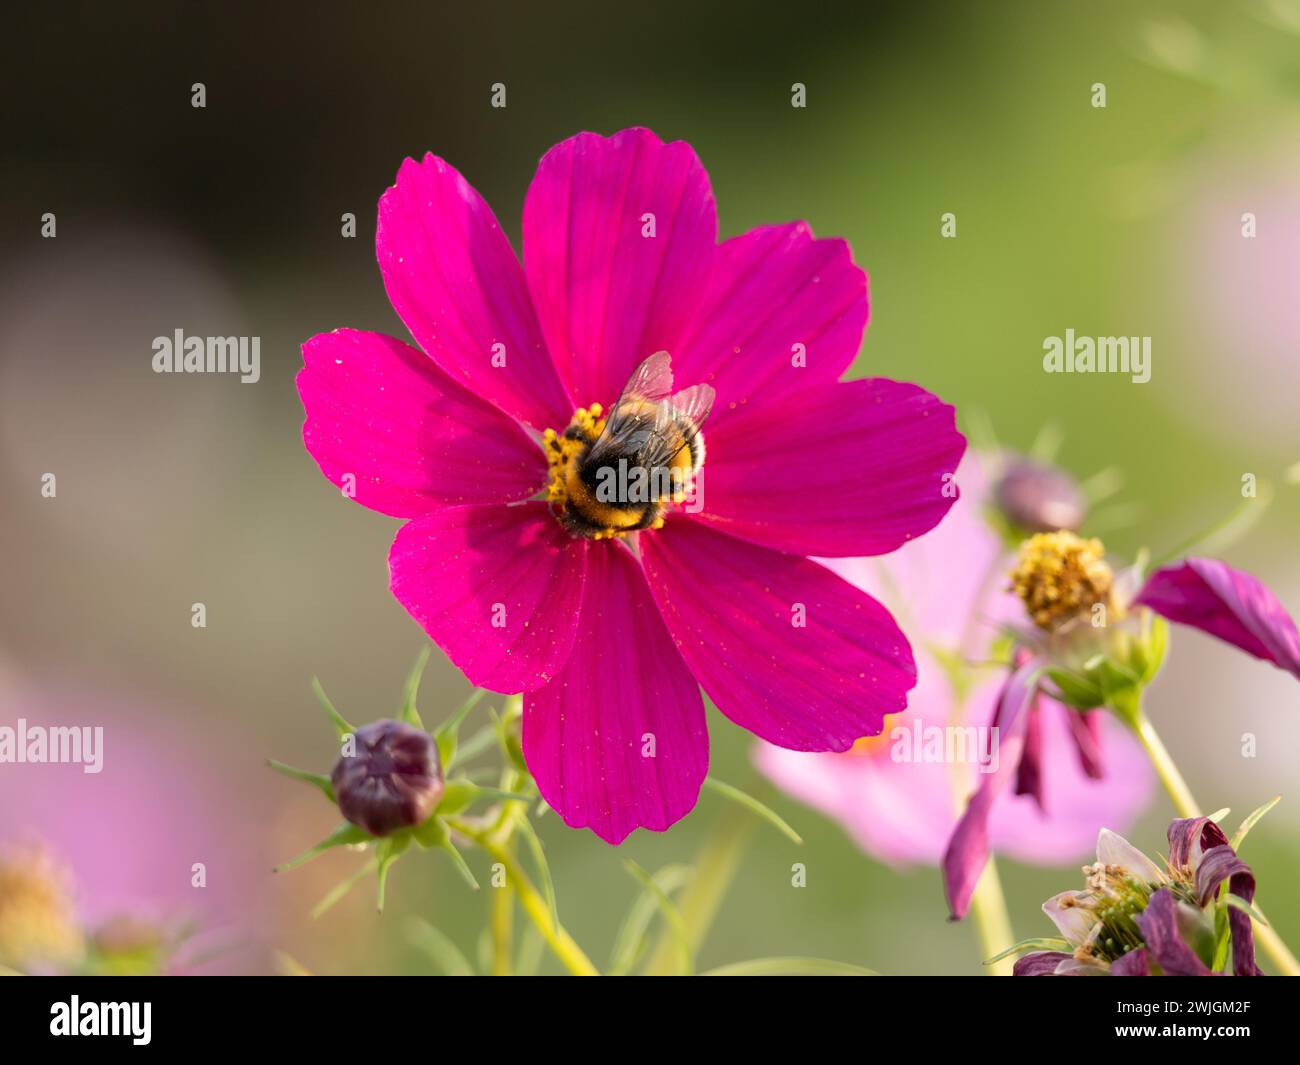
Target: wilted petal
(1114,849)
(1029,774)
(1218,864)
(968,849)
(1074,921)
(1040,963)
(1086,731)
(1159,926)
(1228,604)
(1134,963)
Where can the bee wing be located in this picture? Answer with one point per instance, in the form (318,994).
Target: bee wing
(649,422)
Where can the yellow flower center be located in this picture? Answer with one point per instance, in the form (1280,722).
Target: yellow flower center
(1061,576)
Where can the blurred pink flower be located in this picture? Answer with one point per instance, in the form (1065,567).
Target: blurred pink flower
(903,812)
(130,835)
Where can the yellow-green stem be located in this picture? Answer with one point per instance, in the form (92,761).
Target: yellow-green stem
(501,921)
(562,945)
(1186,806)
(988,911)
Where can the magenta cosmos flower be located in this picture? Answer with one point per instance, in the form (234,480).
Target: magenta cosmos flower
(611,638)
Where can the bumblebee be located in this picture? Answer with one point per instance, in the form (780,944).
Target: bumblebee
(617,473)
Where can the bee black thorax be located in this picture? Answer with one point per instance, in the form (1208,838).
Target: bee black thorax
(614,490)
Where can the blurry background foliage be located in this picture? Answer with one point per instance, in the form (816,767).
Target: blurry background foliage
(172,490)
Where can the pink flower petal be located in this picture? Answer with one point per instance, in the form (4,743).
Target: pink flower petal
(1228,604)
(856,468)
(410,437)
(784,648)
(607,296)
(782,311)
(496,587)
(617,740)
(454,280)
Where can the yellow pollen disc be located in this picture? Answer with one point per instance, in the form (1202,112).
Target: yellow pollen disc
(1061,576)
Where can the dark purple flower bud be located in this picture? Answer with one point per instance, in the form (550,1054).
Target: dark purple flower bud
(1040,498)
(393,780)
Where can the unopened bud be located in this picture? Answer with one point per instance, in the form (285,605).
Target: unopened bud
(393,780)
(1037,497)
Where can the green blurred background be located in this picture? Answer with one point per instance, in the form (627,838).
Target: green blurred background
(172,490)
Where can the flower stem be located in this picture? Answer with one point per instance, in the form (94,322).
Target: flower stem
(562,945)
(1186,806)
(988,911)
(501,921)
(1165,768)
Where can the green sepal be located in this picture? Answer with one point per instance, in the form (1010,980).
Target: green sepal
(317,780)
(1076,690)
(390,848)
(1027,945)
(411,691)
(448,733)
(339,722)
(346,834)
(1251,820)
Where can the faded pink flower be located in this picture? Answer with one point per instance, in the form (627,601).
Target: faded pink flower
(949,589)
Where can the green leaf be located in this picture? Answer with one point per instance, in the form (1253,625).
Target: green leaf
(754,806)
(337,893)
(1026,945)
(676,925)
(317,780)
(1251,820)
(441,951)
(633,934)
(531,948)
(448,732)
(790,967)
(1219,815)
(346,834)
(340,723)
(409,713)
(534,841)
